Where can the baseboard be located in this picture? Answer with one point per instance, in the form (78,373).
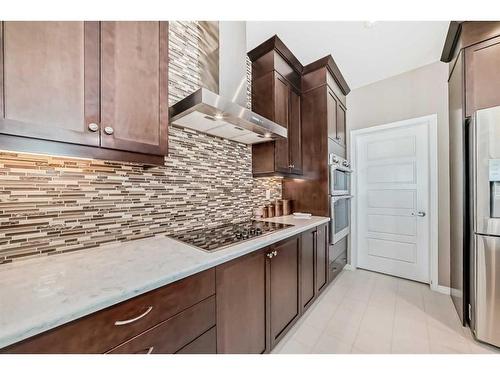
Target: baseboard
(441,289)
(349,267)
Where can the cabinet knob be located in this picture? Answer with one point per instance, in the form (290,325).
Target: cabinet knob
(93,127)
(109,130)
(270,255)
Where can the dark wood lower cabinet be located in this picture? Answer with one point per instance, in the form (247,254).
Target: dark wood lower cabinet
(307,266)
(284,287)
(321,257)
(205,344)
(313,264)
(241,305)
(173,334)
(261,295)
(108,328)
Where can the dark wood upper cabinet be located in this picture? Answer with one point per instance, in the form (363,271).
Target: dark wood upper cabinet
(331,114)
(295,132)
(49,84)
(276,96)
(336,121)
(281,117)
(341,125)
(88,89)
(241,305)
(284,287)
(323,131)
(482,73)
(134,82)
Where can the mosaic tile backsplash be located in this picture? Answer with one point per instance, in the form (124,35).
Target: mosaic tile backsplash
(50,205)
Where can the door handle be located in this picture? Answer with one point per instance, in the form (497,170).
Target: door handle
(419,213)
(125,322)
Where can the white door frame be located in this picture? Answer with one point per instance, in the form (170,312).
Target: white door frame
(433,190)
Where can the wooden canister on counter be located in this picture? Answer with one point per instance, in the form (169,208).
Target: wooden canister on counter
(278,207)
(270,210)
(264,212)
(287,207)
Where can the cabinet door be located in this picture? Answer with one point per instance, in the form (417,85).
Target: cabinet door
(321,257)
(340,124)
(294,133)
(482,73)
(281,111)
(331,112)
(241,305)
(307,265)
(284,288)
(134,83)
(49,80)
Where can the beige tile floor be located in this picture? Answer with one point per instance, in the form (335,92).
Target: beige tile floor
(367,312)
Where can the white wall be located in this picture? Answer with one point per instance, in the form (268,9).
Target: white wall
(416,93)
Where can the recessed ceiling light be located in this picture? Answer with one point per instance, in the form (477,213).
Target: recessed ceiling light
(267,135)
(219,116)
(370,24)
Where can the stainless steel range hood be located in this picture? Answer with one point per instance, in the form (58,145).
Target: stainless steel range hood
(210,113)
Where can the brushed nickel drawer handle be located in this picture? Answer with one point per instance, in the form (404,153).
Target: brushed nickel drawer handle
(150,350)
(124,322)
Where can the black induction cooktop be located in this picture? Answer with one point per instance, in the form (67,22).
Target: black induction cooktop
(211,239)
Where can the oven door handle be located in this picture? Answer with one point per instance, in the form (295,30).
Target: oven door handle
(339,197)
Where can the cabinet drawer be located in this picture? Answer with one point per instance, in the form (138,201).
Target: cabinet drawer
(205,344)
(103,330)
(338,265)
(175,333)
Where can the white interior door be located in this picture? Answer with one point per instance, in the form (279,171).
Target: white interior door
(392,189)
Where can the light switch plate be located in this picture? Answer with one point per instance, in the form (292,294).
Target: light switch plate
(268,194)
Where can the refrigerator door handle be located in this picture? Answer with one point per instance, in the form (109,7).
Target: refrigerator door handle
(487,289)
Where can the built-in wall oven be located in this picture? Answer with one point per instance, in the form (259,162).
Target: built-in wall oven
(340,175)
(340,221)
(340,195)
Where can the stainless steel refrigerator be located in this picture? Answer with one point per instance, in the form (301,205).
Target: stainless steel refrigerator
(485,210)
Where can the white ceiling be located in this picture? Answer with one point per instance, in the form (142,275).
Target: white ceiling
(363,54)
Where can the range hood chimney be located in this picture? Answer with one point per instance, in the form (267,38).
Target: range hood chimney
(225,114)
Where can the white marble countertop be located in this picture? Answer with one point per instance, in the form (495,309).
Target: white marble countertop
(42,293)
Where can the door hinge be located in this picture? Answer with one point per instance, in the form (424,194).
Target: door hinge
(470,312)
